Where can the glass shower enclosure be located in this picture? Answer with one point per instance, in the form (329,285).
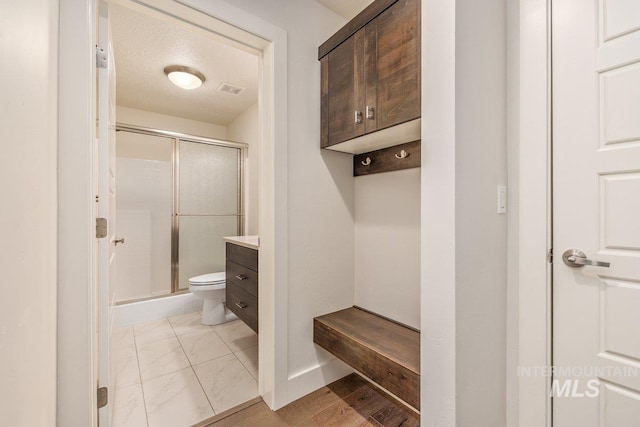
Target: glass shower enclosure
(176,197)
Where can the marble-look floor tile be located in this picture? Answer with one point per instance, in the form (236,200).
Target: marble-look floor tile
(188,323)
(124,359)
(125,365)
(226,382)
(176,400)
(249,358)
(128,407)
(203,346)
(152,331)
(122,337)
(160,358)
(237,335)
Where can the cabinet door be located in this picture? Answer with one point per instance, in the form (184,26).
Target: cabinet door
(398,64)
(345,87)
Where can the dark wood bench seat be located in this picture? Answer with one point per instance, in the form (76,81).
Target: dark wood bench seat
(384,351)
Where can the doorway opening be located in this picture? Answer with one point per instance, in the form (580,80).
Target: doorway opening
(187,175)
(83,289)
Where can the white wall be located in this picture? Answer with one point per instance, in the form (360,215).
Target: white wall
(464,240)
(438,216)
(320,193)
(28,119)
(481,234)
(387,244)
(132,116)
(245,128)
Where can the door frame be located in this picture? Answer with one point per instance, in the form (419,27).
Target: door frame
(76,341)
(530,273)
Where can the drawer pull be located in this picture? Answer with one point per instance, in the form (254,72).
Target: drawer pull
(370,112)
(240,277)
(241,305)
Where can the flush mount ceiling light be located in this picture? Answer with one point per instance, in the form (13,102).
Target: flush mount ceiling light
(184,77)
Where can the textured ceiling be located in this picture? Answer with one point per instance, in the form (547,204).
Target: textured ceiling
(346,8)
(144,46)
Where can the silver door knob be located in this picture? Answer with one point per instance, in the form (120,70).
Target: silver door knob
(576,258)
(120,240)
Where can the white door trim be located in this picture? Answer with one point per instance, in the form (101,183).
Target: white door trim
(76,375)
(76,279)
(530,272)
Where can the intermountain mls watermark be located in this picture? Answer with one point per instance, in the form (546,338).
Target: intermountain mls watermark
(577,381)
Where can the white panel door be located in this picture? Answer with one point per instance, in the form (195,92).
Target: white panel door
(106,205)
(596,208)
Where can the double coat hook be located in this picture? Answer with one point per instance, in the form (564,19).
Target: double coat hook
(403,155)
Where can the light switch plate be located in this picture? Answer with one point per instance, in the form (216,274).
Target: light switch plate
(502,199)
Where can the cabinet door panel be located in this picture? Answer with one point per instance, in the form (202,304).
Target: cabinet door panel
(398,63)
(345,89)
(371,77)
(324,102)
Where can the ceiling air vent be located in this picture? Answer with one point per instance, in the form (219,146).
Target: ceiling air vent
(229,88)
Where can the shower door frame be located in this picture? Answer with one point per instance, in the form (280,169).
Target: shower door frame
(176,137)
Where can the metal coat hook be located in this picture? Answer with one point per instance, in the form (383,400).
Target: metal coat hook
(403,155)
(366,162)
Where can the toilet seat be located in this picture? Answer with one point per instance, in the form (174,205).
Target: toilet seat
(211,279)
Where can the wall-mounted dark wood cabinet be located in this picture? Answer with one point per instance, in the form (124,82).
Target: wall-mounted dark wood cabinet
(370,79)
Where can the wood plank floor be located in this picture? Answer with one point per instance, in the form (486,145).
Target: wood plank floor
(349,402)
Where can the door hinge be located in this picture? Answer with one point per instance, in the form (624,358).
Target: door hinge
(550,256)
(103,397)
(101,228)
(101,57)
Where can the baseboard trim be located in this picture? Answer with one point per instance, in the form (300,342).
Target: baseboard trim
(302,383)
(155,309)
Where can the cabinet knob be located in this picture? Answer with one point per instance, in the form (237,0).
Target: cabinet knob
(358,117)
(241,305)
(240,276)
(370,112)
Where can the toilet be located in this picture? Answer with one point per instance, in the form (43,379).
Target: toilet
(211,288)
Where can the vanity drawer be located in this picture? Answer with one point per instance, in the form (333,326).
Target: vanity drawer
(243,256)
(243,277)
(243,304)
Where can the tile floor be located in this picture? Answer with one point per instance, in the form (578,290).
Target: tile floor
(178,372)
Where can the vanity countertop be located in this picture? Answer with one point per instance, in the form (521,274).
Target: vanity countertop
(251,242)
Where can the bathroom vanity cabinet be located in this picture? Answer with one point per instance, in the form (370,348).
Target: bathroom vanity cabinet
(242,282)
(370,79)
